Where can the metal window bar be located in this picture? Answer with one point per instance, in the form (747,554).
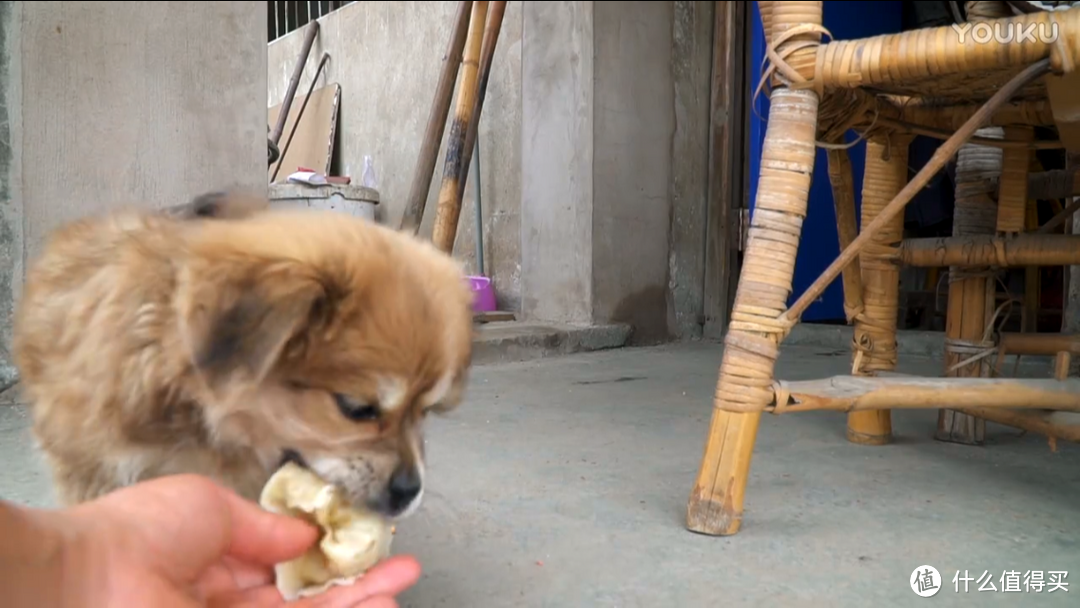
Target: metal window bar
(284,17)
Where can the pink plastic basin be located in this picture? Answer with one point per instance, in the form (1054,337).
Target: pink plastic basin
(484,294)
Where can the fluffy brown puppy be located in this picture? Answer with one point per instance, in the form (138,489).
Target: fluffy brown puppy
(159,343)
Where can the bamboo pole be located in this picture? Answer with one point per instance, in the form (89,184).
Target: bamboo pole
(843,189)
(748,362)
(436,123)
(1061,218)
(937,161)
(989,250)
(1012,343)
(1033,344)
(1032,422)
(917,129)
(860,393)
(875,330)
(449,208)
(294,81)
(942,121)
(487,55)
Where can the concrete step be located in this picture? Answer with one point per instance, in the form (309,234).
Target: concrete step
(510,341)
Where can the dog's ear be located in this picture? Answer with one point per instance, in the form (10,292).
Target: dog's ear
(238,315)
(225,205)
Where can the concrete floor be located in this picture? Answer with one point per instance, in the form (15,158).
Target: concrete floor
(563,482)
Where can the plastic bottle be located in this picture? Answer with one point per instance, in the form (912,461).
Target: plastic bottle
(368,178)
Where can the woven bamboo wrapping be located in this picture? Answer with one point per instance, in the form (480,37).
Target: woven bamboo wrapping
(949,63)
(772,245)
(985,250)
(970,289)
(1012,198)
(874,342)
(885,175)
(765,8)
(787,163)
(983,9)
(975,212)
(843,189)
(1034,112)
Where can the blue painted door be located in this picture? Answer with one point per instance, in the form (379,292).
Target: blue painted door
(820,243)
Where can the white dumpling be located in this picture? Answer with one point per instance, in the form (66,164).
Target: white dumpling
(352,542)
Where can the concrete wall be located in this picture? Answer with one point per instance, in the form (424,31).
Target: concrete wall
(557,184)
(387,57)
(614,161)
(11,207)
(124,103)
(594,146)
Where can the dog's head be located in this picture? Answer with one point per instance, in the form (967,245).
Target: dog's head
(326,340)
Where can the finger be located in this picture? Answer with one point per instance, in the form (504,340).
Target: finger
(262,537)
(389,578)
(375,602)
(269,597)
(381,583)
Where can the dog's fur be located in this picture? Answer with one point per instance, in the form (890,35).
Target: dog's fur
(223,338)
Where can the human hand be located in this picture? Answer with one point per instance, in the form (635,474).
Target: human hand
(186,541)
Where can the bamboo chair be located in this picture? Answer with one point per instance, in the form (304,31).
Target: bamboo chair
(983,97)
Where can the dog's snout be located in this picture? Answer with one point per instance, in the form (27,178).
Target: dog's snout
(405,485)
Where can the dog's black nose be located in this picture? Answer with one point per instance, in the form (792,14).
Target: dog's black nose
(404,486)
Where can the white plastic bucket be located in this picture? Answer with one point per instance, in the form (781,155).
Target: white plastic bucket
(357,201)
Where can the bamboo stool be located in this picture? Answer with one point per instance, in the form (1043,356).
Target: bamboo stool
(983,98)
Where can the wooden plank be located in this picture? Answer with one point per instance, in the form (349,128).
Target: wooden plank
(313,144)
(726,157)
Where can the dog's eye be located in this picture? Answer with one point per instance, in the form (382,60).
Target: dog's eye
(355,411)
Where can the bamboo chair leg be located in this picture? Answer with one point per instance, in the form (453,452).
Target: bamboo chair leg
(874,344)
(843,191)
(970,289)
(752,342)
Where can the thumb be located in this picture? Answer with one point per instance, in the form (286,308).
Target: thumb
(261,537)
